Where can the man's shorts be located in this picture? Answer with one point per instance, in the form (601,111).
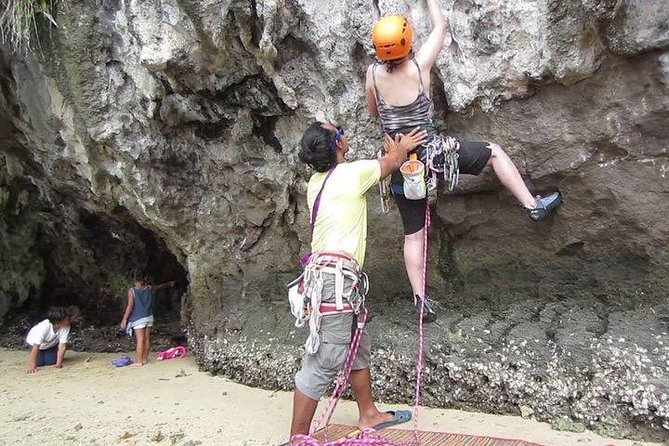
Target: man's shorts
(320,369)
(472,158)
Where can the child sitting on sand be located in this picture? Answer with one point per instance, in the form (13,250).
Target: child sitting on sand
(48,339)
(138,316)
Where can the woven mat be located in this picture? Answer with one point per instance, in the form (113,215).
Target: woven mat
(338,431)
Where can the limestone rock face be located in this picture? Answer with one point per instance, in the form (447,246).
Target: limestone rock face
(165,133)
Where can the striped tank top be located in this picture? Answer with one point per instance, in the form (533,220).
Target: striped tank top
(404,118)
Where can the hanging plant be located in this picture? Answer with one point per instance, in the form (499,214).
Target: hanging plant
(18,21)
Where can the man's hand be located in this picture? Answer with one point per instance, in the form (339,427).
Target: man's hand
(396,150)
(388,144)
(124,324)
(404,143)
(412,140)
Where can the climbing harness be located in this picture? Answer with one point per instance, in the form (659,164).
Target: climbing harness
(369,437)
(305,292)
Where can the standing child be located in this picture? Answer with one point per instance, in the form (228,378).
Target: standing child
(138,316)
(48,339)
(398,91)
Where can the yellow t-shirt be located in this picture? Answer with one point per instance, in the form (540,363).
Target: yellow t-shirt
(341,223)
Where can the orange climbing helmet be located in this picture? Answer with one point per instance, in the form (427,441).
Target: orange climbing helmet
(392,37)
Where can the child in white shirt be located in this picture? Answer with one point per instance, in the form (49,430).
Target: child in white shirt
(48,339)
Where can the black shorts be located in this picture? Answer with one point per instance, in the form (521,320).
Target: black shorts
(472,158)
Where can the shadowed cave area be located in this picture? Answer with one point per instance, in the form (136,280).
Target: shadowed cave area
(87,260)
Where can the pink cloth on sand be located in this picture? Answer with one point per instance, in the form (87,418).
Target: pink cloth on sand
(171,353)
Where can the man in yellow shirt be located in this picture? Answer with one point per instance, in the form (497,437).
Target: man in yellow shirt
(338,209)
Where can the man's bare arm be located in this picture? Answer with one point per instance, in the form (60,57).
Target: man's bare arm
(397,150)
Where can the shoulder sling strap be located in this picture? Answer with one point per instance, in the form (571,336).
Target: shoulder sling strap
(317,202)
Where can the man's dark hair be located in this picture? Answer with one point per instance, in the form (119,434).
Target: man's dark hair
(317,147)
(58,314)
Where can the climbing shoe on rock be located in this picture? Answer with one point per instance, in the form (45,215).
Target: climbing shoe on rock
(429,313)
(544,206)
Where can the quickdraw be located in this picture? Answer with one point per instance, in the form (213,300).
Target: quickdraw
(441,158)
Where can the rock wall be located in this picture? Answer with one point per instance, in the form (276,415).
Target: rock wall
(165,132)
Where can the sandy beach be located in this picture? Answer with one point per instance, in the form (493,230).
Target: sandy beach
(90,402)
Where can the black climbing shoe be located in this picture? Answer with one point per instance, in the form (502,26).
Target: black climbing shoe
(544,206)
(429,313)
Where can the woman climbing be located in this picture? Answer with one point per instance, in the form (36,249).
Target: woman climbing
(397,90)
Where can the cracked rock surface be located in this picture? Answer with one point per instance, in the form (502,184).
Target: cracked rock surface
(165,133)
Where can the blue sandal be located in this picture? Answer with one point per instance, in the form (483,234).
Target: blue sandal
(400,416)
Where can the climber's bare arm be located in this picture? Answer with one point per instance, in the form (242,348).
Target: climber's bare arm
(428,53)
(370,93)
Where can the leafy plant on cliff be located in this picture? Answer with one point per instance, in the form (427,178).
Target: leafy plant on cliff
(18,20)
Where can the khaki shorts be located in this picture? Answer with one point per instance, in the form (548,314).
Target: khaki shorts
(320,369)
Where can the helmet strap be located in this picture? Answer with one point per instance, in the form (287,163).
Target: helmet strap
(392,64)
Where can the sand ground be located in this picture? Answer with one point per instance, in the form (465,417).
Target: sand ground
(89,402)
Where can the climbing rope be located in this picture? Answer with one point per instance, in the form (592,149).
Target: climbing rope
(344,374)
(370,437)
(419,364)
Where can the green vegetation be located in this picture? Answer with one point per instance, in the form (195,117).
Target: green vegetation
(18,20)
